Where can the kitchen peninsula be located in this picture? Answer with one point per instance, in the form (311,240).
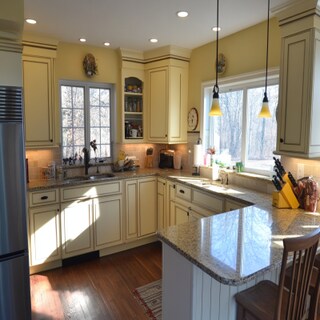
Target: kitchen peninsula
(205,262)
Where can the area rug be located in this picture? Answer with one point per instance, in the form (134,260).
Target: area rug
(150,297)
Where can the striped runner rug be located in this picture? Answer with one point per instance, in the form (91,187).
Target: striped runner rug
(150,297)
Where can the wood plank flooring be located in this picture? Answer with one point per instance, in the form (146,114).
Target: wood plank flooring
(96,289)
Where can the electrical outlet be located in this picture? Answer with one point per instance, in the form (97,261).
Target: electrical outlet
(300,171)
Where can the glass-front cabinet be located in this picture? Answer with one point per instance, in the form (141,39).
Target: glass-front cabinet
(133,109)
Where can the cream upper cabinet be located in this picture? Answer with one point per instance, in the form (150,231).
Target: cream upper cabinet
(38,86)
(299,96)
(167,90)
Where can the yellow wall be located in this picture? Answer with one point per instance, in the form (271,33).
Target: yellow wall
(245,51)
(69,67)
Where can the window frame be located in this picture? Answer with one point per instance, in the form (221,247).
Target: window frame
(240,82)
(87,85)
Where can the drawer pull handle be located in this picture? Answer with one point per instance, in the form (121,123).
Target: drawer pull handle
(44,198)
(181,191)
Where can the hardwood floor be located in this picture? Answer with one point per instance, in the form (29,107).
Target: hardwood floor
(96,289)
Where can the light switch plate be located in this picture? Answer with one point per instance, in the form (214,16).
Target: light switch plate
(300,171)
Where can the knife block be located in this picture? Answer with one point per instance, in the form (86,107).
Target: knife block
(286,179)
(279,201)
(149,161)
(285,198)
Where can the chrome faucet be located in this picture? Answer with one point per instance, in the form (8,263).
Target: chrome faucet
(86,160)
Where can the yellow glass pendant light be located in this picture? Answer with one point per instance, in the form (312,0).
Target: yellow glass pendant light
(215,107)
(265,111)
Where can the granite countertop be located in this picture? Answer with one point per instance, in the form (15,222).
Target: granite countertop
(232,247)
(237,246)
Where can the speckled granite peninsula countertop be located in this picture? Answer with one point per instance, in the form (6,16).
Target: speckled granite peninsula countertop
(237,246)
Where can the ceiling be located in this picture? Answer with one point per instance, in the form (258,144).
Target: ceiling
(131,23)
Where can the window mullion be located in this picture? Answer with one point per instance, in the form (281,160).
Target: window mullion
(244,139)
(87,116)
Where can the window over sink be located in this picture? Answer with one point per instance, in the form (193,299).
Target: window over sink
(239,135)
(86,111)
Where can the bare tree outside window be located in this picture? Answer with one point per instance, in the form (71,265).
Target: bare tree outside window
(239,132)
(85,117)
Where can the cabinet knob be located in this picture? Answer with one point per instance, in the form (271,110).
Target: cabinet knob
(181,191)
(44,198)
(281,140)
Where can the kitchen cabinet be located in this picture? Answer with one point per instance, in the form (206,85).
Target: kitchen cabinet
(90,217)
(171,195)
(107,221)
(76,228)
(133,107)
(38,88)
(162,200)
(233,205)
(299,96)
(141,207)
(44,227)
(167,90)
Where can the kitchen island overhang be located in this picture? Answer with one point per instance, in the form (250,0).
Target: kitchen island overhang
(218,256)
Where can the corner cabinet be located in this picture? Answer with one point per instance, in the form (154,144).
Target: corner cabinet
(167,90)
(38,87)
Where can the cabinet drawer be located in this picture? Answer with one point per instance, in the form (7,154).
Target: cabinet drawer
(43,197)
(183,192)
(207,201)
(91,191)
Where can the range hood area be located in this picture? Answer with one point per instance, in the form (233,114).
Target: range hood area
(299,96)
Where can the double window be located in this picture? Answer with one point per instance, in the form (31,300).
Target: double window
(86,110)
(239,135)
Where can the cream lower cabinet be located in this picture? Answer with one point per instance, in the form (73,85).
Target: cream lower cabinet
(90,217)
(76,228)
(107,221)
(141,207)
(162,200)
(44,227)
(44,230)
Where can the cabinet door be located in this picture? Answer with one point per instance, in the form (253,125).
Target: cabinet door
(148,217)
(158,105)
(181,214)
(38,101)
(162,199)
(76,228)
(295,80)
(233,205)
(171,192)
(178,95)
(131,209)
(107,221)
(44,234)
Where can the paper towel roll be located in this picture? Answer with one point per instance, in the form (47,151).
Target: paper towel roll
(197,155)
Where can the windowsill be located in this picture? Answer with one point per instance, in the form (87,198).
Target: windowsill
(252,175)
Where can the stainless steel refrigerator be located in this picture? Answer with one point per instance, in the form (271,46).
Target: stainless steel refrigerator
(14,266)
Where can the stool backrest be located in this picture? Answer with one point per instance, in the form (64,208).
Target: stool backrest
(302,250)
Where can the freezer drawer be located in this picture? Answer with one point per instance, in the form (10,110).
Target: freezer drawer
(15,289)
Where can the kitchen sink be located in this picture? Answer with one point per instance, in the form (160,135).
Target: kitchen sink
(89,178)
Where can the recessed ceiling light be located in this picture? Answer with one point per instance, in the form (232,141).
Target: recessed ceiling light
(107,44)
(153,40)
(82,40)
(216,29)
(182,14)
(31,21)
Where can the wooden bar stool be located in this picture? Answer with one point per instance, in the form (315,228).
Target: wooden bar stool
(267,300)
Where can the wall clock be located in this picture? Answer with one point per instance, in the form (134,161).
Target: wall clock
(193,119)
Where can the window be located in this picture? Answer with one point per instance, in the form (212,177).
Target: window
(239,135)
(86,117)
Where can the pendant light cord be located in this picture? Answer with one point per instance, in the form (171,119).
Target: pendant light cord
(267,54)
(217,49)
